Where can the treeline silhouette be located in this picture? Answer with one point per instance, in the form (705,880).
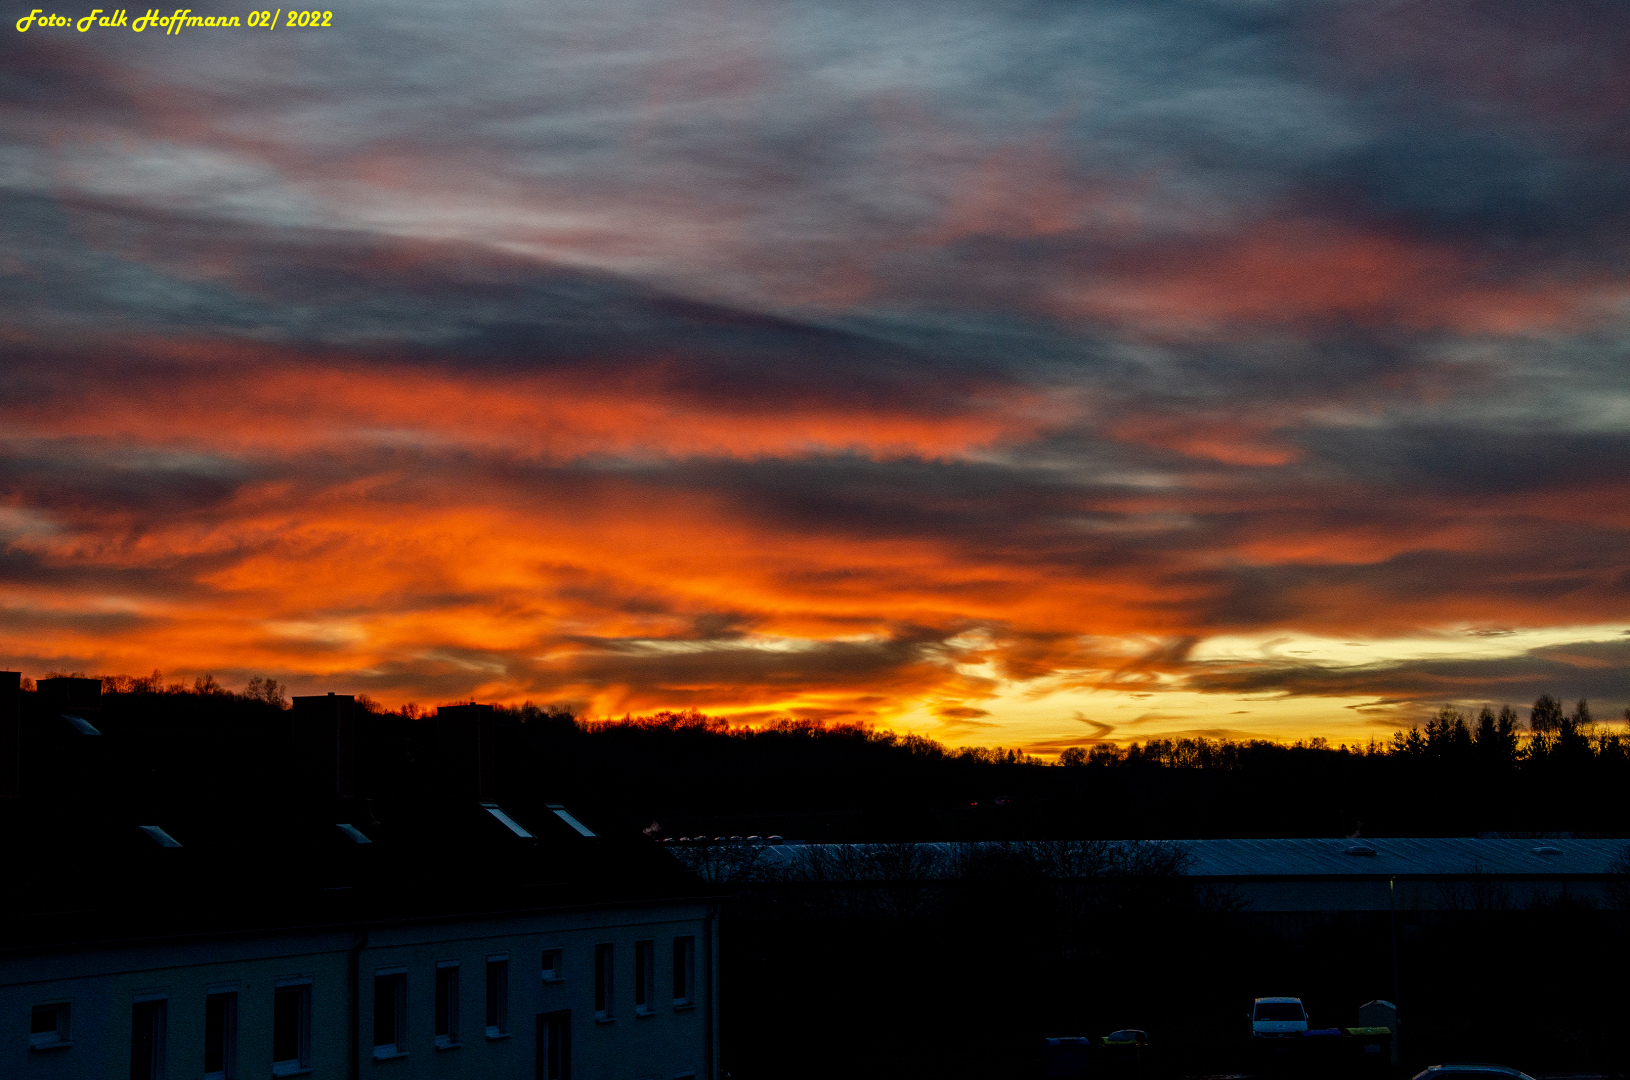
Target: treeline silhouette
(963,977)
(687,774)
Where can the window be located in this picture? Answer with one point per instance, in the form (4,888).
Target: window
(552,969)
(563,814)
(221,1036)
(147,1026)
(48,1026)
(447,1003)
(390,1013)
(291,1027)
(602,983)
(497,996)
(644,976)
(684,971)
(555,1045)
(506,821)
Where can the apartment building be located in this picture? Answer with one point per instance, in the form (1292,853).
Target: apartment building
(278,920)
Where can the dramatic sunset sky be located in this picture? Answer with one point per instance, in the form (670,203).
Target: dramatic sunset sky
(1016,373)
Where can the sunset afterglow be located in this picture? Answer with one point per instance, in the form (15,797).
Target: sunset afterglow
(1030,376)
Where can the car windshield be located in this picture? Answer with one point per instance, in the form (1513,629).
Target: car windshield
(1279,1010)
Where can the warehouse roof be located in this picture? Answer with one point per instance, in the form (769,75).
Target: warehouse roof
(1401,857)
(1270,858)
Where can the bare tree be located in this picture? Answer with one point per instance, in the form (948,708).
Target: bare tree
(1618,886)
(721,863)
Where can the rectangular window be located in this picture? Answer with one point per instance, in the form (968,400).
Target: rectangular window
(552,969)
(644,975)
(684,971)
(447,1003)
(291,1028)
(221,1036)
(555,1045)
(48,1026)
(147,1028)
(603,956)
(497,997)
(390,1014)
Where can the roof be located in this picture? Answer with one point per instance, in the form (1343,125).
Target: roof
(188,815)
(1402,857)
(1304,858)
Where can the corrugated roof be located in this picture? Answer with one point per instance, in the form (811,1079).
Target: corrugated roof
(1401,857)
(1321,857)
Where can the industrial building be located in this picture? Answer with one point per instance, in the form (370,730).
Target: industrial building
(1278,876)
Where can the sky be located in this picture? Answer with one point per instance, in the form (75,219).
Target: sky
(1013,373)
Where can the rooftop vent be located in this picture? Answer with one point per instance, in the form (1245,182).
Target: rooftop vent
(71,692)
(1546,849)
(159,836)
(1361,850)
(467,747)
(325,743)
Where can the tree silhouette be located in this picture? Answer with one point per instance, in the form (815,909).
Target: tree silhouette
(1546,715)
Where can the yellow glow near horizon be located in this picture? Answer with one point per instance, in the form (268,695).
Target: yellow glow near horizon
(1043,718)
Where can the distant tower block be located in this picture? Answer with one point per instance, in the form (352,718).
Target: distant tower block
(325,744)
(469,751)
(11,698)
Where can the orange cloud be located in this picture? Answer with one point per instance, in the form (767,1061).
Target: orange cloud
(245,398)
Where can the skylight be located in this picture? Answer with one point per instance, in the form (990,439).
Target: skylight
(562,814)
(81,725)
(160,837)
(354,834)
(508,822)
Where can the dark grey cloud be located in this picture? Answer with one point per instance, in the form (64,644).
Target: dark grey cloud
(1468,461)
(85,475)
(1594,670)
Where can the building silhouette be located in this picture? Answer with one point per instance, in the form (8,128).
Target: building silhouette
(248,892)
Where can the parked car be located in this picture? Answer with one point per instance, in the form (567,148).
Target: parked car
(1465,1070)
(1278,1018)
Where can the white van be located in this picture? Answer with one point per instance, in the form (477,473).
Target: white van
(1277,1018)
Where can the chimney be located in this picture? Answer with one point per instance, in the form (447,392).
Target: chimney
(66,694)
(11,698)
(469,752)
(325,744)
